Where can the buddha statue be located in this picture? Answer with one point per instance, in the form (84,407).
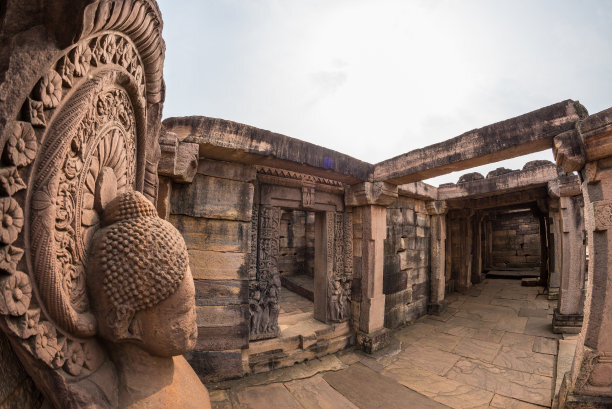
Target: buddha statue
(143,297)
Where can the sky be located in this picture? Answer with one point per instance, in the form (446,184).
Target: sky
(377,78)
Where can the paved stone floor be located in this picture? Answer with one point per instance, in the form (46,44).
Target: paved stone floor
(493,348)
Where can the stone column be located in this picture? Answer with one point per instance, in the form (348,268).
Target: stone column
(477,248)
(324,262)
(437,210)
(568,315)
(589,148)
(555,251)
(372,199)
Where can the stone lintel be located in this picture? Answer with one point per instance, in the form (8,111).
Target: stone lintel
(569,185)
(418,190)
(528,133)
(596,132)
(566,323)
(507,182)
(370,343)
(370,193)
(436,207)
(179,160)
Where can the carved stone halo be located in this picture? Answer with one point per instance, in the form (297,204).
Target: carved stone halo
(76,148)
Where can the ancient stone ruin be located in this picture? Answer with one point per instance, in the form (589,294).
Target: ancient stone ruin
(287,251)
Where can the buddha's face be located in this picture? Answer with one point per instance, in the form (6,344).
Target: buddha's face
(169,328)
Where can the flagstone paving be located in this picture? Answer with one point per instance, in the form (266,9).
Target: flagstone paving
(493,348)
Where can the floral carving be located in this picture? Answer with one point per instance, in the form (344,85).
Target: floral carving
(26,325)
(49,89)
(21,147)
(10,181)
(15,294)
(12,220)
(81,56)
(9,257)
(45,343)
(36,113)
(75,358)
(66,70)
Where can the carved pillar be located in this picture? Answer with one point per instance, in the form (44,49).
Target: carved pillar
(568,316)
(590,148)
(437,210)
(264,292)
(373,198)
(333,266)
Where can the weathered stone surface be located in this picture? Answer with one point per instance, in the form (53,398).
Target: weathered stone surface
(220,292)
(477,349)
(260,397)
(368,390)
(227,170)
(443,390)
(431,359)
(212,234)
(214,265)
(525,361)
(213,198)
(315,393)
(216,365)
(503,402)
(518,385)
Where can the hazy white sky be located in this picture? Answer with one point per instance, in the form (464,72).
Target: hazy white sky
(377,78)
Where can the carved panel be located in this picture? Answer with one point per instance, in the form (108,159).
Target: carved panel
(264,292)
(83,119)
(340,247)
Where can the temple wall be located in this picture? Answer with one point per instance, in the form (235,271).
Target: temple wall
(406,269)
(296,253)
(17,390)
(516,241)
(214,215)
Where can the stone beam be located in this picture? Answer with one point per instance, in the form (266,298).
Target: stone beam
(508,182)
(528,133)
(367,193)
(418,190)
(508,200)
(234,142)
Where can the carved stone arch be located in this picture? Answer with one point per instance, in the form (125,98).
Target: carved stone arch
(86,131)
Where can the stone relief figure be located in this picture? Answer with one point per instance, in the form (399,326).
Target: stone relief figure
(143,298)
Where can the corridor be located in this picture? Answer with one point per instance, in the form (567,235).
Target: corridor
(492,348)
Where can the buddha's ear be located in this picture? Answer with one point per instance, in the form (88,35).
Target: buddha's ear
(124,324)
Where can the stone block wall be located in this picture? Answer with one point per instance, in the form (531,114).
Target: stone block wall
(214,215)
(516,241)
(406,268)
(296,253)
(17,390)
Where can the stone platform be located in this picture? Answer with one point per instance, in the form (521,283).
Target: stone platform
(301,336)
(493,348)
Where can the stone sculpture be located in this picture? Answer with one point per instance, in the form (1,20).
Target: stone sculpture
(80,111)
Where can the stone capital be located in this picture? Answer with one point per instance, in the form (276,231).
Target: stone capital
(569,151)
(179,160)
(437,207)
(569,185)
(370,193)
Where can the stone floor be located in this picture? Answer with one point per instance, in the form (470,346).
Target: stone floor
(493,348)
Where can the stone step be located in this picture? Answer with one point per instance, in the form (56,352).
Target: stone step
(301,284)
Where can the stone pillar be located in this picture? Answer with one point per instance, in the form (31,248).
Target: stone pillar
(568,315)
(555,251)
(324,262)
(589,149)
(437,210)
(477,248)
(372,198)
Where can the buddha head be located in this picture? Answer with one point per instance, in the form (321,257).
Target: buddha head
(139,281)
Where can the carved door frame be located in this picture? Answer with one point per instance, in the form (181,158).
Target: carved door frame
(333,248)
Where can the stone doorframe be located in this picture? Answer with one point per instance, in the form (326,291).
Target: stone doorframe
(280,189)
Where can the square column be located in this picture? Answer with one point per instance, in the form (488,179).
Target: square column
(569,313)
(437,210)
(370,201)
(589,149)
